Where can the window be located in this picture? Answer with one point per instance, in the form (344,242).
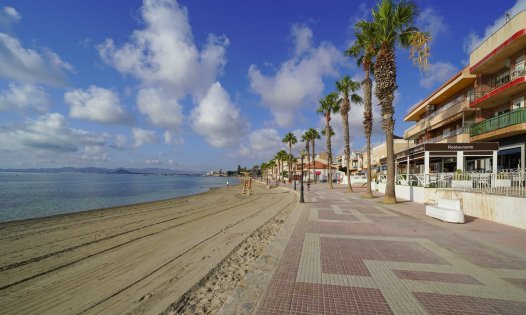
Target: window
(518,103)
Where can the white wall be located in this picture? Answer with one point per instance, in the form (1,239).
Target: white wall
(502,209)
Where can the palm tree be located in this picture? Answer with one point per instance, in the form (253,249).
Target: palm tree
(306,138)
(328,136)
(314,134)
(346,87)
(272,165)
(263,168)
(393,25)
(281,156)
(328,105)
(364,50)
(290,139)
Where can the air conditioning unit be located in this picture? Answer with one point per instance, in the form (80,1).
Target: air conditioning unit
(507,63)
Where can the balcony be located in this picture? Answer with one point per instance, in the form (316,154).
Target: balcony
(505,42)
(439,117)
(499,90)
(452,136)
(504,125)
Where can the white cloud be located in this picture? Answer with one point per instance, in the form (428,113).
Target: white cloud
(302,38)
(26,65)
(430,21)
(262,144)
(95,153)
(48,133)
(120,142)
(171,138)
(298,80)
(161,109)
(438,73)
(163,52)
(154,162)
(8,16)
(217,119)
(142,136)
(473,40)
(23,98)
(96,104)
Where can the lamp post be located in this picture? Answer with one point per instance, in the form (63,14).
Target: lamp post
(302,200)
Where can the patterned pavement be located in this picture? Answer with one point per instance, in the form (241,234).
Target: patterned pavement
(351,255)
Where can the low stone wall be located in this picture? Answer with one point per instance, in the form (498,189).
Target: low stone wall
(502,209)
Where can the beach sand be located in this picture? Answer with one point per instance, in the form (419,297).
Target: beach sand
(140,258)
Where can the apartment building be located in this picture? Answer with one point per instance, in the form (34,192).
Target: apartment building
(356,159)
(483,103)
(499,92)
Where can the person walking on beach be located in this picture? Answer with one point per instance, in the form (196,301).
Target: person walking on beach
(227,184)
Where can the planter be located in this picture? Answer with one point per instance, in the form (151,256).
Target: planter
(455,183)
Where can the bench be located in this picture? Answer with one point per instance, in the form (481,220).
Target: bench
(447,210)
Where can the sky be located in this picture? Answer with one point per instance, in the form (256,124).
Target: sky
(199,85)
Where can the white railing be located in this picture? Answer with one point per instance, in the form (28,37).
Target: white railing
(450,134)
(504,182)
(448,105)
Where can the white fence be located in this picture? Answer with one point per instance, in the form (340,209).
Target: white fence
(505,182)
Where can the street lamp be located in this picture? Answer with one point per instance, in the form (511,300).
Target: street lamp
(302,200)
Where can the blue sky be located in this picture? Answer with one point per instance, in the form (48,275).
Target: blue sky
(197,85)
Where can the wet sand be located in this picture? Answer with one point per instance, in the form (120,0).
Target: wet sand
(132,259)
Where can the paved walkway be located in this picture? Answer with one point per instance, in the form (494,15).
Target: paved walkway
(350,255)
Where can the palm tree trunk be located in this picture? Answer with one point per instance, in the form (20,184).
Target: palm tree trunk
(385,72)
(329,152)
(290,162)
(368,126)
(308,160)
(347,150)
(313,160)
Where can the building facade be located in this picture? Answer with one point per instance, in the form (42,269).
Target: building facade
(482,103)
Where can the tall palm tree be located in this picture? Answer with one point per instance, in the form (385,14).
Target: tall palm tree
(281,156)
(347,88)
(263,168)
(364,49)
(314,134)
(306,138)
(272,165)
(328,136)
(290,139)
(393,25)
(328,105)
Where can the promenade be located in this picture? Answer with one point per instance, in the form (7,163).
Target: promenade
(351,255)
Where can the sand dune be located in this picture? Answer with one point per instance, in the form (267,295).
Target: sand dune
(132,259)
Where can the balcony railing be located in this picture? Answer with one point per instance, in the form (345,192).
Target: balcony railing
(511,118)
(450,134)
(442,109)
(493,84)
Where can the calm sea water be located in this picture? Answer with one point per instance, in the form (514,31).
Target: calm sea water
(30,195)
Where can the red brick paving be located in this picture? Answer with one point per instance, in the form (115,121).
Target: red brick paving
(459,304)
(285,295)
(330,215)
(436,276)
(343,256)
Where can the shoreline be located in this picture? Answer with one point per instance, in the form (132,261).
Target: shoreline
(127,259)
(210,189)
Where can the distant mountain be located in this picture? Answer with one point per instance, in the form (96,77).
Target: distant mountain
(100,170)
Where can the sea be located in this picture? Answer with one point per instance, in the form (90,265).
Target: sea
(35,195)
